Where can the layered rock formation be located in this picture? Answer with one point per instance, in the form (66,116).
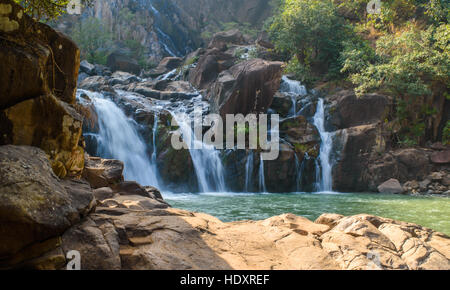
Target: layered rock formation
(37,84)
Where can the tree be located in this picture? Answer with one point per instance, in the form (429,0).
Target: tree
(310,30)
(93,40)
(46,9)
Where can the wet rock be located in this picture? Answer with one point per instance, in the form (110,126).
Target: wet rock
(103,193)
(392,186)
(166,65)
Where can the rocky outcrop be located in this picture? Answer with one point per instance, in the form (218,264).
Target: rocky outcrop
(37,84)
(246,87)
(35,206)
(392,186)
(34,54)
(172,239)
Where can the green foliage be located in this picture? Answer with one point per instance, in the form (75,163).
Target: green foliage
(93,39)
(446,134)
(46,9)
(412,66)
(312,31)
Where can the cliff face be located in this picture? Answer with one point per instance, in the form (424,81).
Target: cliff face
(167,27)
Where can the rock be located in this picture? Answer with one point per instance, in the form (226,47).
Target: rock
(97,242)
(351,111)
(103,172)
(122,78)
(424,184)
(173,239)
(103,193)
(246,87)
(436,176)
(153,192)
(166,65)
(95,83)
(119,61)
(87,68)
(34,204)
(442,157)
(130,188)
(46,62)
(134,202)
(220,40)
(303,135)
(50,124)
(391,186)
(208,68)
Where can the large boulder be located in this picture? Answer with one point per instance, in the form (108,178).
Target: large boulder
(221,39)
(209,66)
(50,124)
(103,172)
(391,186)
(247,87)
(120,61)
(36,60)
(166,65)
(34,205)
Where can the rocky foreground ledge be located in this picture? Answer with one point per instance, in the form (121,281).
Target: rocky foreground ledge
(116,224)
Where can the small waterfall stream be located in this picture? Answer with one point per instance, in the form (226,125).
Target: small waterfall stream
(262,179)
(293,89)
(207,163)
(119,139)
(248,172)
(324,165)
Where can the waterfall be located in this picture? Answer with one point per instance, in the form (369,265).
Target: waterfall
(262,179)
(119,139)
(248,171)
(167,75)
(293,89)
(299,168)
(324,165)
(207,163)
(154,147)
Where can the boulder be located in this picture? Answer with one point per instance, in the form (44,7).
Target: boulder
(221,39)
(34,205)
(247,87)
(36,60)
(120,61)
(208,68)
(103,172)
(166,65)
(442,157)
(50,124)
(133,202)
(391,186)
(87,68)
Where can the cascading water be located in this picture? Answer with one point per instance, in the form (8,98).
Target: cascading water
(262,179)
(207,163)
(294,89)
(119,139)
(324,178)
(248,171)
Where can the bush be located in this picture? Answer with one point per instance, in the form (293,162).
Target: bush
(312,31)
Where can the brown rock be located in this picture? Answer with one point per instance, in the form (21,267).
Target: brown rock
(220,40)
(391,186)
(34,204)
(442,157)
(246,87)
(103,172)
